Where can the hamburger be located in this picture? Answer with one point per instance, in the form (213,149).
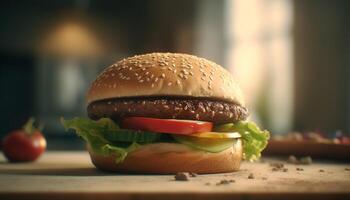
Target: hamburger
(164,113)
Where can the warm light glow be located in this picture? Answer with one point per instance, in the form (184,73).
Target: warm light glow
(260,57)
(71,39)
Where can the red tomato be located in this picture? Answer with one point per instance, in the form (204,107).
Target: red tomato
(24,145)
(183,127)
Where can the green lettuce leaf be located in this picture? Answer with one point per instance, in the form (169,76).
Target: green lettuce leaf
(254,139)
(206,144)
(93,133)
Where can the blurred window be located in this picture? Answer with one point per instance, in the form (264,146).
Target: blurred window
(259,53)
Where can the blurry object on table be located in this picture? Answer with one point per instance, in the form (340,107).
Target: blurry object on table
(313,143)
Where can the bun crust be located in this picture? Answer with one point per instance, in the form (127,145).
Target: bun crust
(170,158)
(165,74)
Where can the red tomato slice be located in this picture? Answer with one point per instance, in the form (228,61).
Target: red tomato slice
(175,126)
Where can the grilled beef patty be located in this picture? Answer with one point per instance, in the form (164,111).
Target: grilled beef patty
(216,111)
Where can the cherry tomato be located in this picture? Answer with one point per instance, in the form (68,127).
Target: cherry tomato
(24,145)
(175,126)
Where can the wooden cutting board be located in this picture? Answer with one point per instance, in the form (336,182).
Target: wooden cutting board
(70,175)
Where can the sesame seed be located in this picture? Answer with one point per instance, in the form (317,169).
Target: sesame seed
(170,83)
(163,75)
(178,82)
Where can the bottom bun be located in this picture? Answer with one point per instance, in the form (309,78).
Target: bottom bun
(170,158)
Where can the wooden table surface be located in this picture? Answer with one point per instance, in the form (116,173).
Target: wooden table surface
(70,175)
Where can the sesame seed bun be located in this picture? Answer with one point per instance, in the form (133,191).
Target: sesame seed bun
(169,158)
(165,74)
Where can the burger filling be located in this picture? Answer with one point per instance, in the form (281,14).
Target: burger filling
(212,110)
(118,127)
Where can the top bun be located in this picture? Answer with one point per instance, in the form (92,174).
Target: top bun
(165,74)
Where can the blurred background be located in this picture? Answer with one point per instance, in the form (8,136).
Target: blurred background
(291,58)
